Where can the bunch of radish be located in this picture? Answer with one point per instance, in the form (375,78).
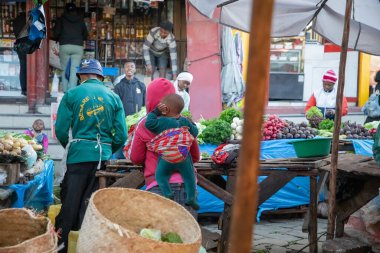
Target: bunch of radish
(237,128)
(272,126)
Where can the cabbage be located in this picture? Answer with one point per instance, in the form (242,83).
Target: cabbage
(150,233)
(371,125)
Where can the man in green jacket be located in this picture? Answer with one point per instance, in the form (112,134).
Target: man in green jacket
(96,118)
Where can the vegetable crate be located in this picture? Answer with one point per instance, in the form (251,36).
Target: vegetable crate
(9,173)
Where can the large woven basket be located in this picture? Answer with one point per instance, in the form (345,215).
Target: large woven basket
(21,231)
(115,216)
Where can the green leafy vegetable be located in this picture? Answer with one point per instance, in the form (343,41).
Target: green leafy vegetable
(171,237)
(326,124)
(187,114)
(135,118)
(216,132)
(207,122)
(230,113)
(150,233)
(205,155)
(314,111)
(325,133)
(371,125)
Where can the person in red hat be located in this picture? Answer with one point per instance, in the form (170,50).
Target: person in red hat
(325,97)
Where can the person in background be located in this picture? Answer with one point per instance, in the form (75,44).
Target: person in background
(132,94)
(70,31)
(96,118)
(325,97)
(36,133)
(139,154)
(158,44)
(182,83)
(19,23)
(372,106)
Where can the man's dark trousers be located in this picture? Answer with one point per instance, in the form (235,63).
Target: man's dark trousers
(76,189)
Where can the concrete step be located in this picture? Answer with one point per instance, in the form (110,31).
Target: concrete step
(23,121)
(22,108)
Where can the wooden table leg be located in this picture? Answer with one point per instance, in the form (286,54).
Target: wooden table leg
(223,241)
(313,224)
(321,182)
(102,182)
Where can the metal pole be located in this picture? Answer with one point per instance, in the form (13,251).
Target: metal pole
(337,122)
(245,206)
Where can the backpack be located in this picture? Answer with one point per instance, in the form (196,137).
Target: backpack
(226,154)
(372,107)
(34,31)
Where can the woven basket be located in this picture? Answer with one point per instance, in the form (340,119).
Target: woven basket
(115,216)
(21,231)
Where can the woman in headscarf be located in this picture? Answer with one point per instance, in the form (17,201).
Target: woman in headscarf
(182,83)
(139,154)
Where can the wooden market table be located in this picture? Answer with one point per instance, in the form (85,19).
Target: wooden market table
(366,172)
(210,177)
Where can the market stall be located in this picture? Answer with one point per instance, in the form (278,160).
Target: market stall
(211,183)
(26,173)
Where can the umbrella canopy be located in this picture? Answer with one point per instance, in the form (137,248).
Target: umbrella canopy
(291,17)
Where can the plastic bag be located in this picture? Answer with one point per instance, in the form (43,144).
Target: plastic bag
(3,176)
(30,155)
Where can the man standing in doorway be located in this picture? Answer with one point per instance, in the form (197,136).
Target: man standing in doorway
(132,94)
(18,24)
(160,43)
(96,118)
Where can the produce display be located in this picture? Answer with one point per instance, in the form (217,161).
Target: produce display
(133,119)
(272,128)
(351,130)
(237,129)
(12,147)
(215,131)
(155,234)
(314,116)
(230,114)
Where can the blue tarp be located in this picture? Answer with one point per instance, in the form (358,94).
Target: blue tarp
(37,193)
(363,147)
(295,193)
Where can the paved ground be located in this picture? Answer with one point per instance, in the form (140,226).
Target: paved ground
(282,235)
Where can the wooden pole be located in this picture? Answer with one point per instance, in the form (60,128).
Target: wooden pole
(245,205)
(337,122)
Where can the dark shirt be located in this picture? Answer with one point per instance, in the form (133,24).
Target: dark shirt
(19,23)
(132,95)
(70,29)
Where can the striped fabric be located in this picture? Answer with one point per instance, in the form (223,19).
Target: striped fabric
(158,46)
(329,76)
(173,145)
